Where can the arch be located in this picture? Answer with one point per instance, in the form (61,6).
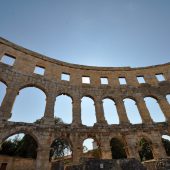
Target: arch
(168,98)
(145,149)
(166,144)
(117,149)
(36,85)
(63,108)
(91,148)
(88,114)
(13,131)
(19,144)
(61,148)
(88,96)
(3,81)
(132,111)
(25,106)
(3,88)
(66,94)
(110,111)
(154,109)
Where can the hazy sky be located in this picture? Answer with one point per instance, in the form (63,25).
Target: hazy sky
(91,32)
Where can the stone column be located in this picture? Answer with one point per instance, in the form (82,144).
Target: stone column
(76,111)
(157,147)
(99,112)
(131,147)
(77,152)
(42,161)
(123,119)
(132,80)
(167,75)
(151,79)
(105,148)
(143,110)
(49,109)
(132,151)
(77,147)
(165,107)
(7,103)
(158,150)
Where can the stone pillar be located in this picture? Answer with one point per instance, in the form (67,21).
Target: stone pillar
(77,152)
(133,152)
(50,103)
(151,79)
(49,109)
(77,147)
(167,75)
(105,148)
(165,107)
(76,106)
(7,103)
(123,119)
(99,112)
(42,161)
(131,79)
(143,110)
(131,147)
(116,83)
(158,150)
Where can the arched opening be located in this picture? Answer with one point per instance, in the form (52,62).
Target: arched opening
(145,151)
(63,108)
(61,151)
(168,98)
(2,91)
(132,111)
(110,111)
(29,105)
(88,115)
(91,148)
(117,149)
(19,145)
(154,109)
(166,143)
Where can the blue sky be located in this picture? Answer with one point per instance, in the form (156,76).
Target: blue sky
(89,32)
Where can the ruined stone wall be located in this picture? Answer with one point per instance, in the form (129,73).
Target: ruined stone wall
(14,163)
(22,75)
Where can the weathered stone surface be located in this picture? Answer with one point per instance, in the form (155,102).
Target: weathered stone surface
(16,163)
(161,164)
(22,75)
(97,164)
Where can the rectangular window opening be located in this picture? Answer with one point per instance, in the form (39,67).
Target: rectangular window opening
(86,79)
(65,76)
(8,59)
(122,80)
(160,77)
(39,70)
(141,79)
(104,80)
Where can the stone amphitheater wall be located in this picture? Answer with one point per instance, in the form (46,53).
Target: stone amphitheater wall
(22,75)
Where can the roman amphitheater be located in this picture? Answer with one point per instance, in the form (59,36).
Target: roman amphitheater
(21,75)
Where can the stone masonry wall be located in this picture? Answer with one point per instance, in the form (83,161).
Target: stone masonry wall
(21,75)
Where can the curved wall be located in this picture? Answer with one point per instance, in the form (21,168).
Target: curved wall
(21,75)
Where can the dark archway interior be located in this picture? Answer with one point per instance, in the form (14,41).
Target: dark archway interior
(117,149)
(21,145)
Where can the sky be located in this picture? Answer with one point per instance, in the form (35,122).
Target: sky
(113,33)
(91,32)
